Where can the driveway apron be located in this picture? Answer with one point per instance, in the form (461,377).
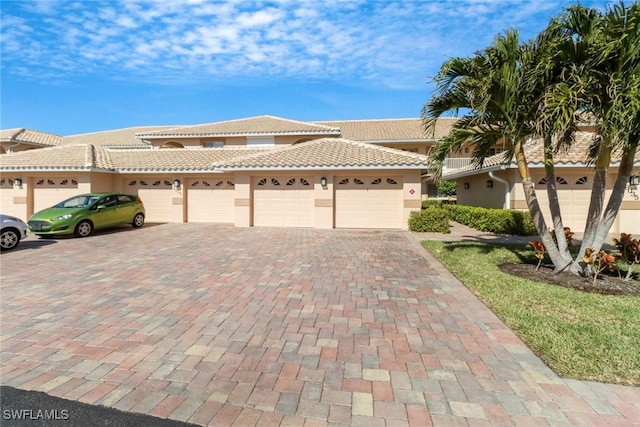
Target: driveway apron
(216,325)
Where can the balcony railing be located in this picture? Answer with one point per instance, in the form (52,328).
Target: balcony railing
(457,162)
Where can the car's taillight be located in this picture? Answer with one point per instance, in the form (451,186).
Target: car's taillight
(140,201)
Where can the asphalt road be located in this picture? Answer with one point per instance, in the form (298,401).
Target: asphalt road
(20,408)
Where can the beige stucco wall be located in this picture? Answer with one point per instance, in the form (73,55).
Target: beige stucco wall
(479,195)
(574,197)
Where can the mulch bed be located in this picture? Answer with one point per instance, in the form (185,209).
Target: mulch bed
(605,284)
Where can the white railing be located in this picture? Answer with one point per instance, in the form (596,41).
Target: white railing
(457,162)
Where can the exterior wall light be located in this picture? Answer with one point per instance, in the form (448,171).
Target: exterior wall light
(323,181)
(634,180)
(467,185)
(176,184)
(17,182)
(489,183)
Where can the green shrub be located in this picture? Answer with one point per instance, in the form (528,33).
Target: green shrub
(446,188)
(435,220)
(436,203)
(501,221)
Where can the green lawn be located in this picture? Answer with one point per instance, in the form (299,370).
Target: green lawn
(579,335)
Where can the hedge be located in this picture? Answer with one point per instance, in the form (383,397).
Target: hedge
(501,221)
(435,220)
(436,203)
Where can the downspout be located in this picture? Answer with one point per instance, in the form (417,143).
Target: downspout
(9,149)
(507,193)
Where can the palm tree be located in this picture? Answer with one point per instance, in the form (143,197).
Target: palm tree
(602,80)
(584,62)
(492,88)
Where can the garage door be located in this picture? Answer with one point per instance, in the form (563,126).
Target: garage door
(211,200)
(156,195)
(368,202)
(574,194)
(51,191)
(7,206)
(283,202)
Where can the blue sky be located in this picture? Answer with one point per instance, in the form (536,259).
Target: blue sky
(71,67)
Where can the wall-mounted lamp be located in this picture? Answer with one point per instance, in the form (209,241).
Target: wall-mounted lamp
(17,182)
(489,183)
(176,184)
(466,185)
(323,181)
(634,180)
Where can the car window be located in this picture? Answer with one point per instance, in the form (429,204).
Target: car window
(77,202)
(123,199)
(108,201)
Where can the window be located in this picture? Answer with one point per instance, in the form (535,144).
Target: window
(260,141)
(213,144)
(581,181)
(344,181)
(123,199)
(560,180)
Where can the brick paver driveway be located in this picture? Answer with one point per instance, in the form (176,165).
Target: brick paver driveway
(217,325)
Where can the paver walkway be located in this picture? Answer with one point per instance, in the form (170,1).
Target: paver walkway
(224,326)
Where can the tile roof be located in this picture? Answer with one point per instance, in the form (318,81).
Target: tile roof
(28,136)
(390,130)
(176,159)
(261,125)
(120,138)
(327,153)
(534,150)
(68,157)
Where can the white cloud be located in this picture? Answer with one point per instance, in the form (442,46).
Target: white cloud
(390,43)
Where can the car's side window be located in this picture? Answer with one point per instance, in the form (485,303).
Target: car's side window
(108,201)
(123,199)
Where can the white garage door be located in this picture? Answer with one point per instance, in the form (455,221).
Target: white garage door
(283,202)
(211,200)
(368,202)
(51,191)
(7,206)
(157,197)
(574,194)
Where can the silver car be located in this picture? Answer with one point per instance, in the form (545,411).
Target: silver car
(13,230)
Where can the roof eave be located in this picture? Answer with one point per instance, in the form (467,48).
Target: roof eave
(318,168)
(238,134)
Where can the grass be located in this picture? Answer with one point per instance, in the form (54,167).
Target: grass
(579,335)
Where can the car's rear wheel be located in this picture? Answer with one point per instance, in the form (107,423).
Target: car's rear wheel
(138,220)
(9,239)
(83,229)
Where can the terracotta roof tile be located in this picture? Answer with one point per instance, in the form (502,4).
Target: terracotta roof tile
(70,157)
(261,125)
(175,159)
(389,130)
(575,156)
(125,138)
(327,153)
(28,136)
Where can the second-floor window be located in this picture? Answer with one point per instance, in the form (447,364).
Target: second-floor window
(260,141)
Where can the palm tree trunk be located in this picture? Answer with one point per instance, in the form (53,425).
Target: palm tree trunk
(596,204)
(615,200)
(554,203)
(560,262)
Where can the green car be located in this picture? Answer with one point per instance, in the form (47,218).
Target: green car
(82,214)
